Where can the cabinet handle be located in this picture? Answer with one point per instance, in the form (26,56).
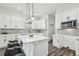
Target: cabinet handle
(4,40)
(77,39)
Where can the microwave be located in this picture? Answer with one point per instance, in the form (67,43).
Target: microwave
(69,24)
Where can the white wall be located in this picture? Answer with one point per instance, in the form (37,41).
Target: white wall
(50,25)
(67,7)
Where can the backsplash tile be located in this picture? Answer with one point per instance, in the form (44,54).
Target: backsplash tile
(73,32)
(17,31)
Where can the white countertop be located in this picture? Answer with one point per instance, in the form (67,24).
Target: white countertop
(27,39)
(75,37)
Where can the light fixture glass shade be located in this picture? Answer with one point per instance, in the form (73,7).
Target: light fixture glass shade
(29,20)
(33,18)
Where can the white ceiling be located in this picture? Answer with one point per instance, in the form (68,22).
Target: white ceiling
(40,9)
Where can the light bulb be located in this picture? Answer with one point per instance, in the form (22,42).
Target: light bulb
(29,20)
(33,18)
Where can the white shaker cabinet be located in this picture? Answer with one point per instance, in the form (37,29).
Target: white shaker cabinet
(1,20)
(39,24)
(57,21)
(38,48)
(5,21)
(77,47)
(4,40)
(56,41)
(69,15)
(18,23)
(28,49)
(78,19)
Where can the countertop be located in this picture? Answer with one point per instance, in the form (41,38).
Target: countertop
(75,37)
(27,39)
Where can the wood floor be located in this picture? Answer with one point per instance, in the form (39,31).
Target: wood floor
(54,51)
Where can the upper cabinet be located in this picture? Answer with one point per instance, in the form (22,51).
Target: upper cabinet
(69,15)
(18,23)
(39,24)
(58,21)
(7,21)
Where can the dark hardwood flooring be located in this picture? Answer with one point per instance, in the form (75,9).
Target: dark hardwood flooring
(54,51)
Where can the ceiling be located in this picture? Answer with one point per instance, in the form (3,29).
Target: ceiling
(40,9)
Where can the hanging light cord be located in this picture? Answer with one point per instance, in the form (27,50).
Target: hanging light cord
(32,10)
(29,10)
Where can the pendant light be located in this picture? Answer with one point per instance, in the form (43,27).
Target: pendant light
(30,17)
(33,11)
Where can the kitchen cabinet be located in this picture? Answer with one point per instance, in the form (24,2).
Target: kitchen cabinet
(18,23)
(57,22)
(78,19)
(39,24)
(77,47)
(28,49)
(4,40)
(5,21)
(56,41)
(38,48)
(69,15)
(68,41)
(64,41)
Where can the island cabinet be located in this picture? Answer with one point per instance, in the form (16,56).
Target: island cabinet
(37,48)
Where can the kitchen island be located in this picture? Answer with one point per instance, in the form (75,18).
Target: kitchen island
(34,46)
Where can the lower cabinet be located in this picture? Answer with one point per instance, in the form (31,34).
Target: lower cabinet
(55,41)
(4,41)
(39,48)
(64,41)
(77,47)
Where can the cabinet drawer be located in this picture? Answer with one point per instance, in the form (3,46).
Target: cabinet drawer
(37,43)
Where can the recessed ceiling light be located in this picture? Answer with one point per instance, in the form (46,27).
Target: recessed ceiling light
(18,7)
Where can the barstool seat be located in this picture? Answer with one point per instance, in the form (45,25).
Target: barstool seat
(12,48)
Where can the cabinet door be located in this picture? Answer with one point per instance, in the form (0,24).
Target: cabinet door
(56,41)
(28,49)
(2,20)
(3,41)
(57,22)
(35,24)
(38,24)
(40,48)
(77,47)
(69,15)
(78,19)
(18,23)
(7,21)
